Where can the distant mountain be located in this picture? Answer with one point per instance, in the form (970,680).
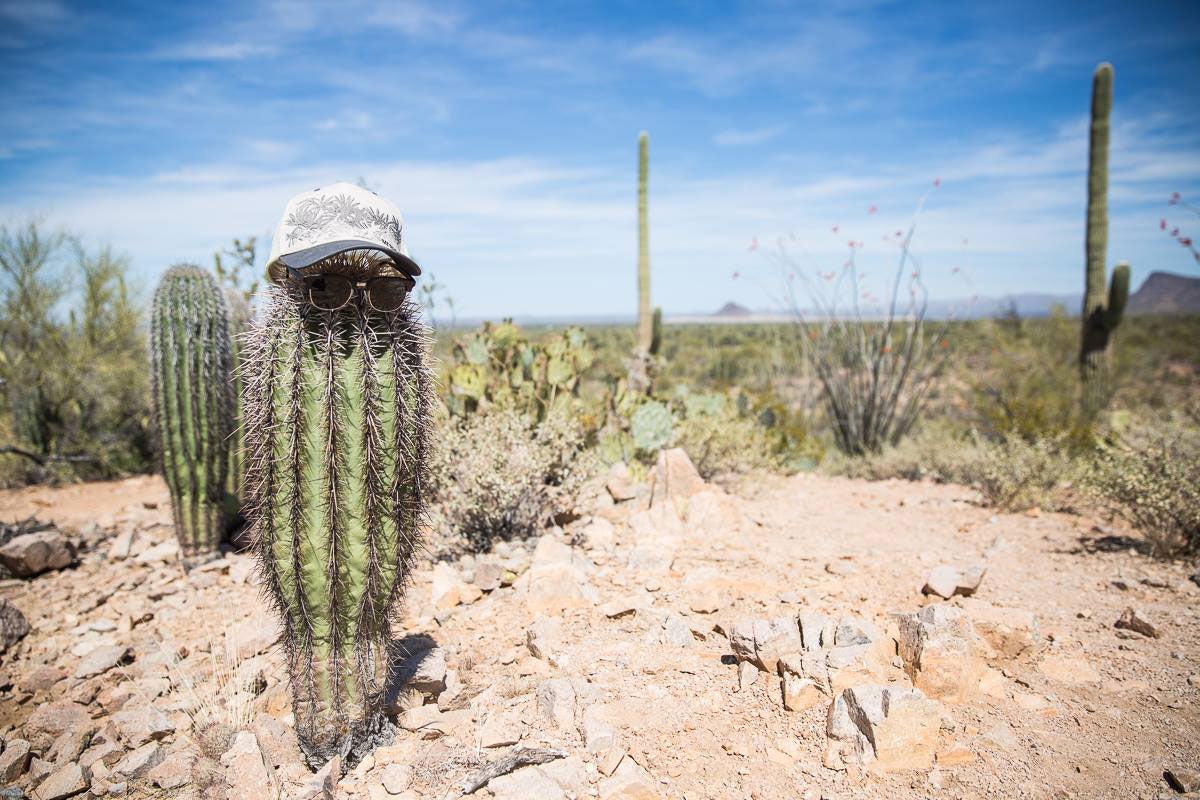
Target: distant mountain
(733,310)
(1166,293)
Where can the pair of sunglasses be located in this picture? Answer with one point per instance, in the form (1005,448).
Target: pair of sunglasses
(332,292)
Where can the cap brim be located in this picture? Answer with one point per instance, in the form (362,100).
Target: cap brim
(309,256)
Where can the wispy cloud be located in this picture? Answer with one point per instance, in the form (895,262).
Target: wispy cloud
(734,137)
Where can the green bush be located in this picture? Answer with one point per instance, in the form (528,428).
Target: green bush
(1152,479)
(73,361)
(502,474)
(1014,473)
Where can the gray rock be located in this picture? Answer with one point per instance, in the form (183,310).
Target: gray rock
(122,545)
(968,582)
(599,736)
(62,783)
(102,659)
(556,702)
(71,743)
(762,642)
(855,631)
(13,625)
(34,553)
(426,670)
(676,632)
(816,631)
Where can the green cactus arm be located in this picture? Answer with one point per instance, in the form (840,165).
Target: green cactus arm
(1118,296)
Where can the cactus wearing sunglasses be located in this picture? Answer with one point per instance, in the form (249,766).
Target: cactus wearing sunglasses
(337,413)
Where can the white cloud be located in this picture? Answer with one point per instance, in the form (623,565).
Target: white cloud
(734,137)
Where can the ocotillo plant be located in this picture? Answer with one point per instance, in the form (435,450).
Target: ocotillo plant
(337,409)
(191,381)
(1101,310)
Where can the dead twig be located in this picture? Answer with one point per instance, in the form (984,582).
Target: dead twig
(513,760)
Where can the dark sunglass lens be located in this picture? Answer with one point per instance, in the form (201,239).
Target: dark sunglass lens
(329,292)
(387,294)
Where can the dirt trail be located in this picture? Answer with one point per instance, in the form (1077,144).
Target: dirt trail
(610,642)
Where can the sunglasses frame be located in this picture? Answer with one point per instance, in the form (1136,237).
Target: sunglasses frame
(356,287)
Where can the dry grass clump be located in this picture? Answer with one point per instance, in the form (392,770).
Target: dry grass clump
(502,474)
(1152,479)
(723,445)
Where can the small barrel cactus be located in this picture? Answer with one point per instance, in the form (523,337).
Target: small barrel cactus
(191,379)
(337,408)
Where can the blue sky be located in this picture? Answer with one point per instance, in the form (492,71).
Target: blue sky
(506,132)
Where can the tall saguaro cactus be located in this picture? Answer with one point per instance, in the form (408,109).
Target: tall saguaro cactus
(645,321)
(1102,310)
(192,386)
(337,414)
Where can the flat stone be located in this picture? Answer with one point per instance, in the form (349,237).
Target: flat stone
(49,720)
(137,726)
(396,778)
(102,659)
(886,728)
(121,546)
(942,581)
(426,671)
(64,782)
(421,718)
(854,631)
(34,553)
(629,781)
(762,641)
(599,736)
(1010,632)
(487,575)
(1071,670)
(1182,779)
(969,580)
(14,760)
(163,553)
(939,650)
(817,631)
(747,675)
(173,771)
(246,771)
(556,702)
(627,604)
(799,693)
(543,637)
(139,761)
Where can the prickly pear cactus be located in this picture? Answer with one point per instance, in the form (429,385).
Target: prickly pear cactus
(337,414)
(498,366)
(191,380)
(651,426)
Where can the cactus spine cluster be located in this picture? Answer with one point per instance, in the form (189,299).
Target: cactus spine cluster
(1102,310)
(645,333)
(337,409)
(191,380)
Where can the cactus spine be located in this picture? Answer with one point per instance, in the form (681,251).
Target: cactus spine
(337,413)
(1102,310)
(191,382)
(645,329)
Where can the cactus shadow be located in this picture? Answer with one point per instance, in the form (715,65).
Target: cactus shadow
(404,657)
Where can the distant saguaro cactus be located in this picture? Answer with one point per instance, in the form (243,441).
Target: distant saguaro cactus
(192,387)
(656,332)
(645,323)
(1102,310)
(337,414)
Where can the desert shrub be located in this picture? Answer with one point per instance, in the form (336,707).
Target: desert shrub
(720,441)
(73,360)
(1014,473)
(1030,382)
(502,474)
(1152,479)
(1011,473)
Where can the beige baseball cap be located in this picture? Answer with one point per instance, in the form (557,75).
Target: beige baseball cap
(337,219)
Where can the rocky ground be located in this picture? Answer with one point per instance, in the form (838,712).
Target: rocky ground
(808,637)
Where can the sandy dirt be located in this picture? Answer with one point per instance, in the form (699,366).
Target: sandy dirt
(1091,711)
